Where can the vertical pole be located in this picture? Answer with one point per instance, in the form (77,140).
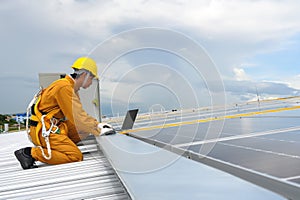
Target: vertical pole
(98,98)
(258,101)
(6,128)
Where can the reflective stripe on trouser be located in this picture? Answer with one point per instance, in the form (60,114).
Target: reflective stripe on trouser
(63,149)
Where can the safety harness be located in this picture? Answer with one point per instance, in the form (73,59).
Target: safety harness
(44,122)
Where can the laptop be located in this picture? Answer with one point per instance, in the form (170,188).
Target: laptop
(129,120)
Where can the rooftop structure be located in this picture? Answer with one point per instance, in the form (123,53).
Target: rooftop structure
(247,151)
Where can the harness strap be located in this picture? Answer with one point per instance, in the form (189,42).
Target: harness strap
(33,123)
(42,121)
(30,108)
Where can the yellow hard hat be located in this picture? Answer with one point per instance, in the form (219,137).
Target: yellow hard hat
(87,64)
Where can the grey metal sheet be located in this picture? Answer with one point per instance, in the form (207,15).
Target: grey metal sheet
(288,148)
(267,143)
(278,166)
(176,135)
(150,172)
(198,132)
(296,180)
(92,178)
(291,137)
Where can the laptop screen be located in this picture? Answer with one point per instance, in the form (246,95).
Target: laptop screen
(129,119)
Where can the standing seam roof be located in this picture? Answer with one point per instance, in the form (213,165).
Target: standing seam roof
(93,178)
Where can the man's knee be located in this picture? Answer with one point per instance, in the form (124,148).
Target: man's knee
(76,156)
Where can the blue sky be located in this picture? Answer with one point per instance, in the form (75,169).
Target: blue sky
(279,64)
(251,43)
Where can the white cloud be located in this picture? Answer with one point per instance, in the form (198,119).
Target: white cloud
(240,74)
(256,20)
(46,36)
(248,90)
(294,81)
(147,85)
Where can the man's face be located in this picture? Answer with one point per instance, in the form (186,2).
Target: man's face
(87,80)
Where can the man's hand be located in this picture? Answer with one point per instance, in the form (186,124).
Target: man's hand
(106,129)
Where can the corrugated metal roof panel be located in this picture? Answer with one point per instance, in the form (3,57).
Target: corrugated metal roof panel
(94,178)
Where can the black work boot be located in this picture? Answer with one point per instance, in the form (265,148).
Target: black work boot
(25,158)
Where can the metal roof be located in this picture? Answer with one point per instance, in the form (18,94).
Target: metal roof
(123,167)
(93,178)
(256,141)
(150,172)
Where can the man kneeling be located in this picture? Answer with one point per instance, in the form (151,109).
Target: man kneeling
(58,120)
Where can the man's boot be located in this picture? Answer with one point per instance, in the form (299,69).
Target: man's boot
(25,158)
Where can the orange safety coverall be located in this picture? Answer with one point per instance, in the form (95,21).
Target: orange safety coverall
(60,94)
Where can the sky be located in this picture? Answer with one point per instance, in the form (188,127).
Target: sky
(154,55)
